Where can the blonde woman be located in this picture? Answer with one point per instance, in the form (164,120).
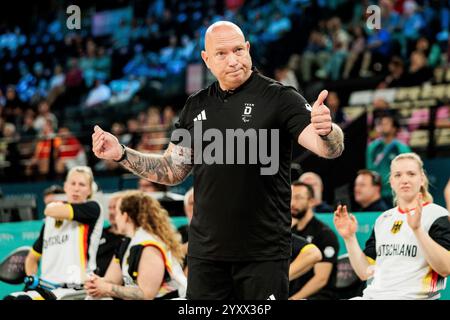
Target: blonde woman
(148,265)
(68,242)
(407,256)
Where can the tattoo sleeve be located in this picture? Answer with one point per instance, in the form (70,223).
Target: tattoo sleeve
(127,293)
(334,142)
(170,168)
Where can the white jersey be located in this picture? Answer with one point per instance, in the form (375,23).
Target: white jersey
(174,278)
(401,271)
(69,247)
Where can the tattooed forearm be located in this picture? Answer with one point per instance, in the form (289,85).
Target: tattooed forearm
(170,168)
(147,165)
(334,143)
(127,293)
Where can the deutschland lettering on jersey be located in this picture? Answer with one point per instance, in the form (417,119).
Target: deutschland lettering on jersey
(55,240)
(397,249)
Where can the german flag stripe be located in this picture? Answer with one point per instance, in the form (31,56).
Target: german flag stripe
(161,249)
(434,280)
(83,245)
(71,211)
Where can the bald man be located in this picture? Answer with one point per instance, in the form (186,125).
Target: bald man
(239,236)
(314,180)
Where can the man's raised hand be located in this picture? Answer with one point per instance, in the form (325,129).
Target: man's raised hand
(105,145)
(321,116)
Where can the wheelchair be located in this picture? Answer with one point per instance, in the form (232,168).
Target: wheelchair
(12,271)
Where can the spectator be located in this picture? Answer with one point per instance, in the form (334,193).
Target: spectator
(418,72)
(44,115)
(187,50)
(147,266)
(57,86)
(356,50)
(69,153)
(101,93)
(390,19)
(45,148)
(319,283)
(87,63)
(170,53)
(74,81)
(169,117)
(119,131)
(432,51)
(317,53)
(396,76)
(27,135)
(316,183)
(340,42)
(13,106)
(138,66)
(58,78)
(102,63)
(381,151)
(133,136)
(368,192)
(378,49)
(41,84)
(121,35)
(152,141)
(411,24)
(153,118)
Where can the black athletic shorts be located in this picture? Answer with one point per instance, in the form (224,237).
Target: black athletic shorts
(249,280)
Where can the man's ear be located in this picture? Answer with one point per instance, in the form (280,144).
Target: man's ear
(247,44)
(205,58)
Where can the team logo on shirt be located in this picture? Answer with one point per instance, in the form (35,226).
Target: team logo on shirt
(396,227)
(58,223)
(308,107)
(329,252)
(246,116)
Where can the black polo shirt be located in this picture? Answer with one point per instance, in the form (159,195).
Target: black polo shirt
(376,206)
(240,214)
(325,239)
(109,242)
(298,243)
